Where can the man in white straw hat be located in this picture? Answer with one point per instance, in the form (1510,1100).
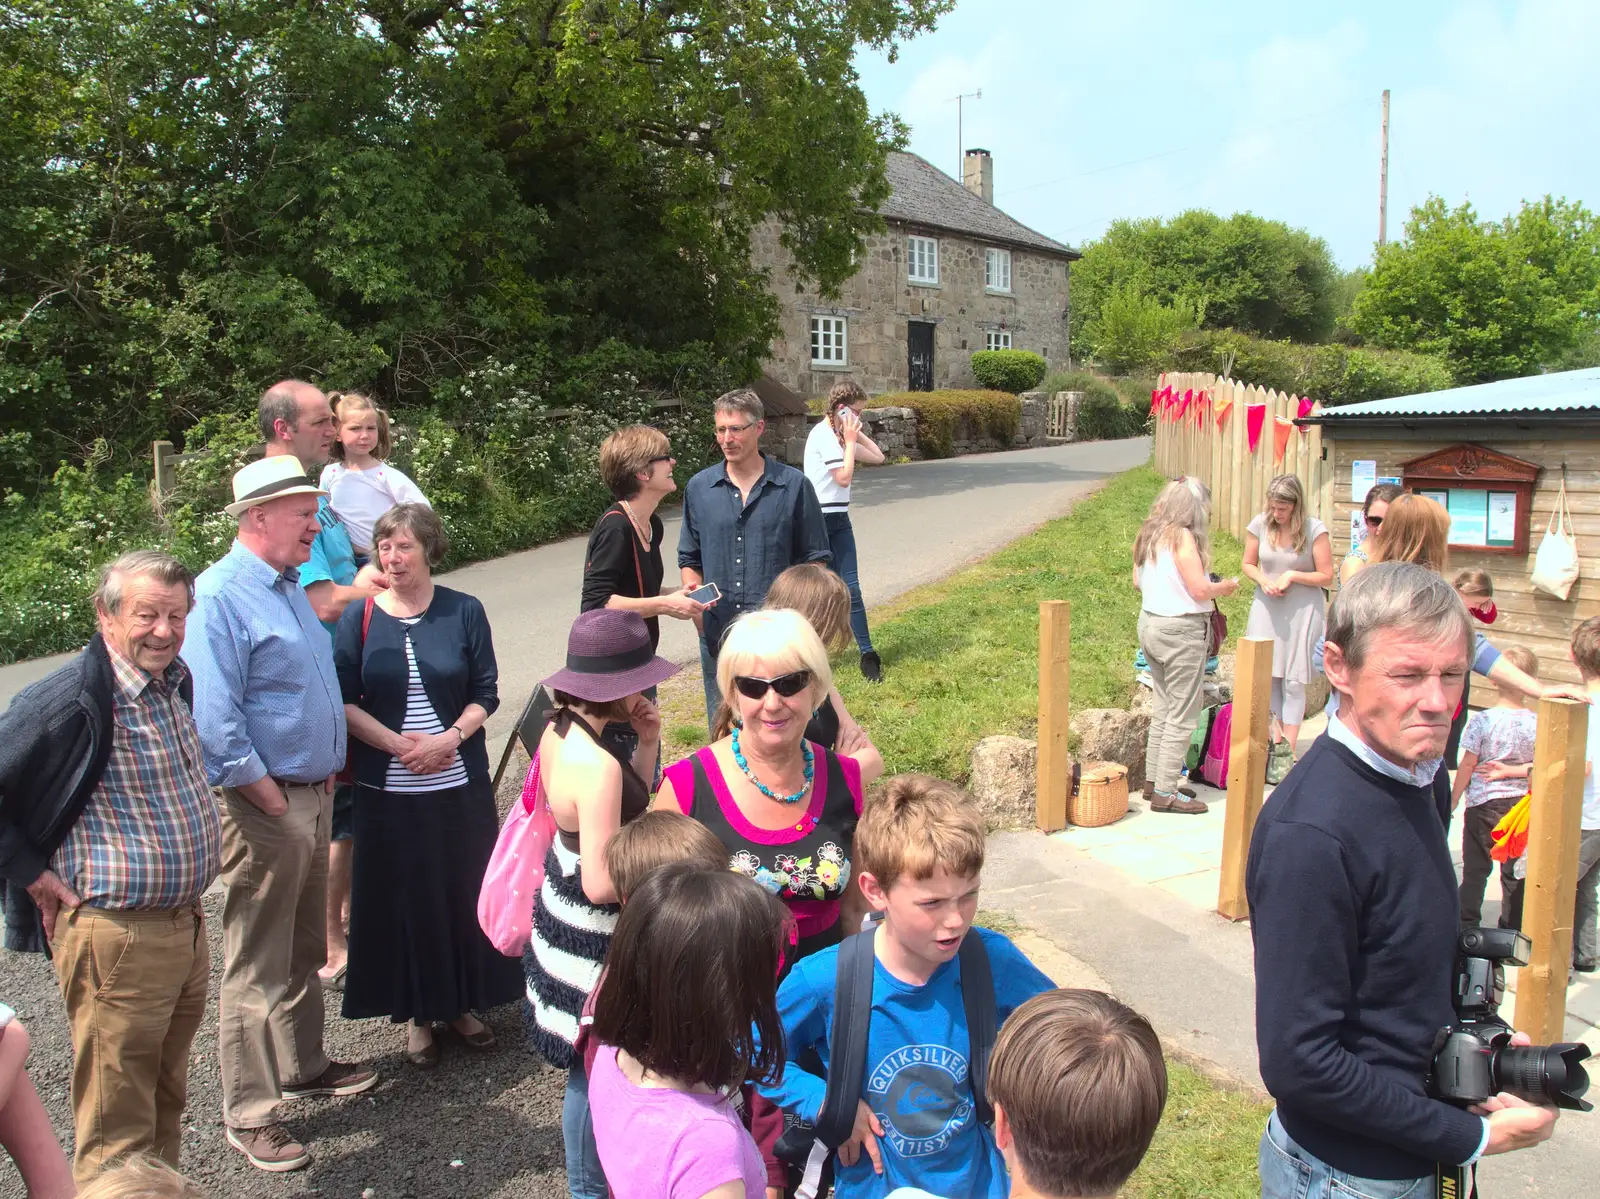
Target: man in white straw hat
(272,730)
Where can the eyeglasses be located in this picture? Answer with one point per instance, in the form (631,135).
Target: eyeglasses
(1374,521)
(661,458)
(785,685)
(724,430)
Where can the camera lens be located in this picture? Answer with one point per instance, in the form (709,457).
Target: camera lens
(1544,1074)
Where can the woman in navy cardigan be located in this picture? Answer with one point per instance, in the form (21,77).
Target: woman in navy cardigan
(417,670)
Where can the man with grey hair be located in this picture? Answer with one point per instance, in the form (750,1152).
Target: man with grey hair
(745,521)
(1354,914)
(108,822)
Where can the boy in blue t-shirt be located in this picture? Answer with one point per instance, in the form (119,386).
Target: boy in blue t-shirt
(919,849)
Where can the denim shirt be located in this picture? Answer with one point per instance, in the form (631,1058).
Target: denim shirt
(266,694)
(742,547)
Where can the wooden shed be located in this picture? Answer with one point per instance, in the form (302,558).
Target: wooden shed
(1496,454)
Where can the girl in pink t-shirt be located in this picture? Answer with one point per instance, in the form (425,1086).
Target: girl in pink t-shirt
(690,982)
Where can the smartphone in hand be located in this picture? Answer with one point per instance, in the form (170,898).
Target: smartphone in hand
(706,593)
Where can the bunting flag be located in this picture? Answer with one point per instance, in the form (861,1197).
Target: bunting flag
(1223,404)
(1282,427)
(1183,405)
(1255,416)
(1305,407)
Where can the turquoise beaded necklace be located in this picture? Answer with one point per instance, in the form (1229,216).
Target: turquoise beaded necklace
(811,760)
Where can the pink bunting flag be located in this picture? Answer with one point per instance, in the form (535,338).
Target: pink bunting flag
(1255,416)
(1305,407)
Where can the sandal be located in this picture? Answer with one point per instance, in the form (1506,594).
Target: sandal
(481,1040)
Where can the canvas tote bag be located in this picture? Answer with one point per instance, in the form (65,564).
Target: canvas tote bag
(1555,566)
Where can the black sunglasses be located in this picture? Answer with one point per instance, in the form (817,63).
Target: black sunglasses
(662,458)
(785,684)
(1374,521)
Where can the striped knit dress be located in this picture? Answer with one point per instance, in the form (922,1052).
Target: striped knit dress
(570,934)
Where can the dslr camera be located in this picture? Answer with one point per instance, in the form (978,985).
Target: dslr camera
(1474,1058)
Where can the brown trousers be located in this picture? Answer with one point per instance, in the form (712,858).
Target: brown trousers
(135,989)
(275,937)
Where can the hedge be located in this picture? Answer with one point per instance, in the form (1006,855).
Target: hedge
(1111,409)
(995,414)
(1335,374)
(1015,371)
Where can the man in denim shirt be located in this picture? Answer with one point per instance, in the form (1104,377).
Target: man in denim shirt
(744,523)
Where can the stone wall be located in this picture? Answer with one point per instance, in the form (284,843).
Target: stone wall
(894,431)
(879,302)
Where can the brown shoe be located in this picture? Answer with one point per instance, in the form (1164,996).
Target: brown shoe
(271,1148)
(1149,790)
(1189,791)
(1178,803)
(340,1078)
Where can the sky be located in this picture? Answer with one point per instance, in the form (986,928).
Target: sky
(1105,109)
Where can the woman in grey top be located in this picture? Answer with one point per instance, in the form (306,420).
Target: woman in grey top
(1289,557)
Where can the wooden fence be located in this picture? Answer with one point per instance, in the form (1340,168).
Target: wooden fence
(1203,432)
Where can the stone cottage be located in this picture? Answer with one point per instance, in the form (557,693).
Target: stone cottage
(950,275)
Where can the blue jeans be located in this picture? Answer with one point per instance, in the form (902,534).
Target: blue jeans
(585,1178)
(708,676)
(1289,1172)
(842,541)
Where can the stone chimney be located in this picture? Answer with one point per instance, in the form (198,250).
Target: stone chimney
(977,172)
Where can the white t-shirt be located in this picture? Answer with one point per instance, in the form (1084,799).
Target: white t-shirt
(360,497)
(823,453)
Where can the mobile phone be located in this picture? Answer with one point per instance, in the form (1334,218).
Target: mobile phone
(6,1015)
(706,593)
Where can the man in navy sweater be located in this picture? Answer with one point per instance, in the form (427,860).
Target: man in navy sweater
(1354,916)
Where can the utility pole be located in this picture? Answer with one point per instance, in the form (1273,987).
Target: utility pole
(1383,176)
(961,145)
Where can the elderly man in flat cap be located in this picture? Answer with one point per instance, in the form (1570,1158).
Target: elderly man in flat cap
(272,728)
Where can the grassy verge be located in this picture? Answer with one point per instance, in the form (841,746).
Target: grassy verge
(961,655)
(1206,1145)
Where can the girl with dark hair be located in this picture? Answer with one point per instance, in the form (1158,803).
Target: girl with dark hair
(687,1013)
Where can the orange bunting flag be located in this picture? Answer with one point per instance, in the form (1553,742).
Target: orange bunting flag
(1282,427)
(1223,403)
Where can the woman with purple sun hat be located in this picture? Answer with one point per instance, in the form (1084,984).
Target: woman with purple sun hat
(592,791)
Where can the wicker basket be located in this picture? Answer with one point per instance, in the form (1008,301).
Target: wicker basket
(1102,795)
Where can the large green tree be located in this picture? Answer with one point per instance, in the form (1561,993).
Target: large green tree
(1239,272)
(197,196)
(1494,298)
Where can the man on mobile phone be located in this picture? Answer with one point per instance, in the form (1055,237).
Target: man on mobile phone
(745,521)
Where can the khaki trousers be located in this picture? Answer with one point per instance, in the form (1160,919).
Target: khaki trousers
(135,988)
(274,936)
(1175,650)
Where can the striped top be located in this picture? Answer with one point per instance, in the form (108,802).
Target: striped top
(151,835)
(421,718)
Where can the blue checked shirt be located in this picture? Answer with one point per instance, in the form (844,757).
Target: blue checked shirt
(266,696)
(150,836)
(741,546)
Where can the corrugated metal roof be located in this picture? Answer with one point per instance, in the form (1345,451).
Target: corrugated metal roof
(925,195)
(1564,391)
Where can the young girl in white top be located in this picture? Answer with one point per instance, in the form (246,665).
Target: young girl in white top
(361,486)
(833,449)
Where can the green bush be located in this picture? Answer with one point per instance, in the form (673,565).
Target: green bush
(941,414)
(1134,331)
(1015,371)
(1335,374)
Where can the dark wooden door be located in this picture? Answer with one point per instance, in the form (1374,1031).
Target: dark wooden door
(919,355)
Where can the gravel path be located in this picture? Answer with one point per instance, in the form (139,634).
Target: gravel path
(479,1125)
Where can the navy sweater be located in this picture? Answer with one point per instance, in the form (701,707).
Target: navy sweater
(1354,915)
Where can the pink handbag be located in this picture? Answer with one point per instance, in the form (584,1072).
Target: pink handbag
(516,869)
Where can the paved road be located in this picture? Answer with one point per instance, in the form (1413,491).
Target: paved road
(914,524)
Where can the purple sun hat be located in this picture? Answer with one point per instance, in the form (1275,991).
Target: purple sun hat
(609,657)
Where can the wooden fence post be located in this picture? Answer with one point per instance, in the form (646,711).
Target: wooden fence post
(1054,776)
(1551,886)
(1247,768)
(166,471)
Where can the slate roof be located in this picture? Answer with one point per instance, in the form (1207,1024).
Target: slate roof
(1537,397)
(925,195)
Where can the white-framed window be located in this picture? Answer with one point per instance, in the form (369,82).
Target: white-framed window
(830,342)
(922,259)
(997,270)
(997,339)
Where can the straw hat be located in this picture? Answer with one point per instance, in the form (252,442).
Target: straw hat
(270,479)
(609,657)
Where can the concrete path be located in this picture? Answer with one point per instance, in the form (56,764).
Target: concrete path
(914,524)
